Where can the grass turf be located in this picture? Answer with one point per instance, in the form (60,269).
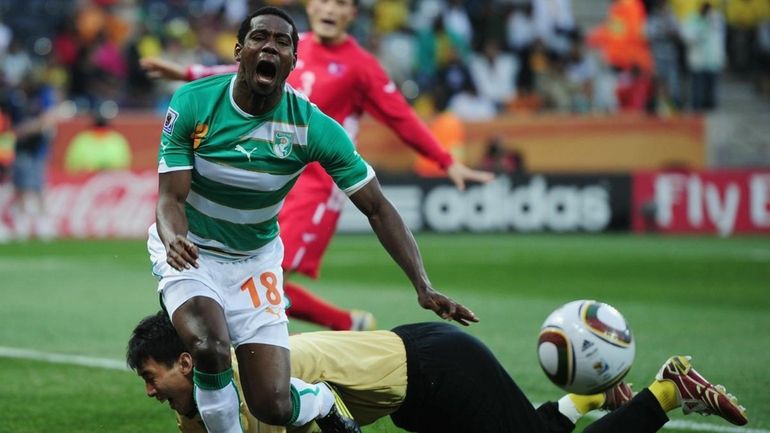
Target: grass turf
(702,296)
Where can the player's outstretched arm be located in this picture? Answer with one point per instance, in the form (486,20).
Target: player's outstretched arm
(158,68)
(459,173)
(386,104)
(398,241)
(163,69)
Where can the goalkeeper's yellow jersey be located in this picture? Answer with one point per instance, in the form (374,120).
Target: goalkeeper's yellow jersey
(368,370)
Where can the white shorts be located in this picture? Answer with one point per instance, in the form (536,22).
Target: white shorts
(250,291)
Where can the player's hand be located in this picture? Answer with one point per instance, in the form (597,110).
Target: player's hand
(181,253)
(159,68)
(459,173)
(446,307)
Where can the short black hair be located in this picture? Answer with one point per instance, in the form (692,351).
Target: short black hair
(154,337)
(269,10)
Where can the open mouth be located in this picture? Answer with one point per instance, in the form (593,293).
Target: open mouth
(329,22)
(266,71)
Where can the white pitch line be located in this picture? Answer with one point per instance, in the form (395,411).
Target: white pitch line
(697,426)
(59,358)
(111,364)
(691,425)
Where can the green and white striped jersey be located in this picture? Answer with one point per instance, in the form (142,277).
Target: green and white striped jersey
(243,166)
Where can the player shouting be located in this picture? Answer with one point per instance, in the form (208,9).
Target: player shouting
(344,81)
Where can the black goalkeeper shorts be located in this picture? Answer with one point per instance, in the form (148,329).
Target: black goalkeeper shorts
(456,385)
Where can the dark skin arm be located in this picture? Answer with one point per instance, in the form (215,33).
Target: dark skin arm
(398,241)
(173,188)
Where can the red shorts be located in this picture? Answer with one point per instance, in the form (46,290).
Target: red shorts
(308,220)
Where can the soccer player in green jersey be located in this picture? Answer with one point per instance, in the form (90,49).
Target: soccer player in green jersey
(232,147)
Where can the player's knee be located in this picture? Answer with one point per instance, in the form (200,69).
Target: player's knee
(211,354)
(274,409)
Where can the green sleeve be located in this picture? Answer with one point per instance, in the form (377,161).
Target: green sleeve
(330,145)
(176,144)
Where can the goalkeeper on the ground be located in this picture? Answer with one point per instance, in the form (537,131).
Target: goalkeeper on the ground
(429,377)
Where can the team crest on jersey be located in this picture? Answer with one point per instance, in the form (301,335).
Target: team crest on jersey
(282,143)
(335,68)
(168,124)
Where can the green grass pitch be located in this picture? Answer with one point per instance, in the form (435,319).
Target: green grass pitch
(703,296)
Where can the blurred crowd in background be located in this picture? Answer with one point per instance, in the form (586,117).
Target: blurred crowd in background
(478,58)
(470,60)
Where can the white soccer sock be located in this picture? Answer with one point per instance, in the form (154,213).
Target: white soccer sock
(567,408)
(219,409)
(309,401)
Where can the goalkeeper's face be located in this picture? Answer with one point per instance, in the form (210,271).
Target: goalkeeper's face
(170,383)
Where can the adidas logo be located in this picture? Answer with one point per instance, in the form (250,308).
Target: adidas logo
(694,406)
(587,345)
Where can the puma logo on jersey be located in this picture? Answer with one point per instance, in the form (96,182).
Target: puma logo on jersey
(272,311)
(248,153)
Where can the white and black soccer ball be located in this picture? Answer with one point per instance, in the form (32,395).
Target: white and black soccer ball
(585,347)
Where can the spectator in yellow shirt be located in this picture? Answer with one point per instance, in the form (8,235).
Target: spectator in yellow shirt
(97,148)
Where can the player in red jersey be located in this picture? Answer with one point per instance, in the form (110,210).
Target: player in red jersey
(344,81)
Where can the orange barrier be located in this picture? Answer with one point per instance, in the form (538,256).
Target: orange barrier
(621,143)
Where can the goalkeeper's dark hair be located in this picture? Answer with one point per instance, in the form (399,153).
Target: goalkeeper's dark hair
(154,337)
(269,10)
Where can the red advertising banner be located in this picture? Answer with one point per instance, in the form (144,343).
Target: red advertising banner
(119,204)
(722,202)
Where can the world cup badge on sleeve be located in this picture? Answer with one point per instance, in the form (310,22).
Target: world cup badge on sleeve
(168,124)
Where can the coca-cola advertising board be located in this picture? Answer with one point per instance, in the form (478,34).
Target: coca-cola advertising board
(722,202)
(115,204)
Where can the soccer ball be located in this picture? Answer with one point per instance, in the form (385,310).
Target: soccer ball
(585,347)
